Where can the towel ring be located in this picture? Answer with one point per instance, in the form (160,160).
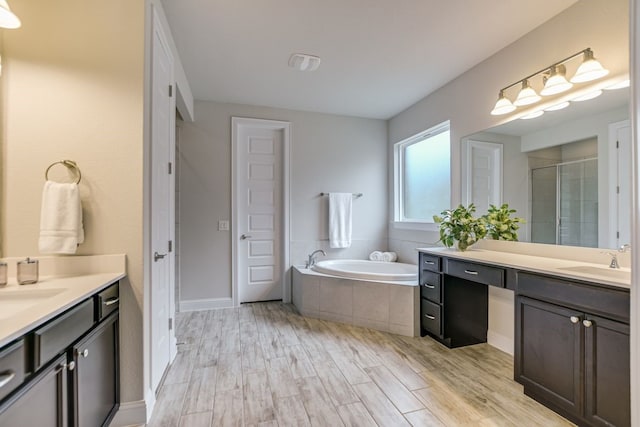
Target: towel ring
(70,164)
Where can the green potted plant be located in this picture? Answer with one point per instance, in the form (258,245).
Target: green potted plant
(458,226)
(500,225)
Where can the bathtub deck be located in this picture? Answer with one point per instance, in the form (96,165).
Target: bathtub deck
(264,364)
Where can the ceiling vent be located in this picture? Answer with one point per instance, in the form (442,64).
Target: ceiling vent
(304,62)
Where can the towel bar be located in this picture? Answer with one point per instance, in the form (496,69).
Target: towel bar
(356,195)
(69,164)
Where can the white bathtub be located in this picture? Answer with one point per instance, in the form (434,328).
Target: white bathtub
(384,304)
(368,270)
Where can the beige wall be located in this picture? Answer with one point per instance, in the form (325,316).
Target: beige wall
(72,88)
(466,101)
(328,153)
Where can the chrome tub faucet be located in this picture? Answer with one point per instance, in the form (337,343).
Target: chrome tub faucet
(311,261)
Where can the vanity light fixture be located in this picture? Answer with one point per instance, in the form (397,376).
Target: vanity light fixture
(8,19)
(527,95)
(503,106)
(590,69)
(554,81)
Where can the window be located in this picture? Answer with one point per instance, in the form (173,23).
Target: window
(422,175)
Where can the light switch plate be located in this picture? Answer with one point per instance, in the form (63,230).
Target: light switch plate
(223,225)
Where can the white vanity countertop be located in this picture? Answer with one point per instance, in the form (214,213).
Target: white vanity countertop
(570,269)
(23,308)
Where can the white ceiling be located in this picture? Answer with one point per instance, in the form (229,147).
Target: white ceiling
(378,56)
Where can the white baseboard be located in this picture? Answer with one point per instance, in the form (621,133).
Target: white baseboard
(501,342)
(130,414)
(205,304)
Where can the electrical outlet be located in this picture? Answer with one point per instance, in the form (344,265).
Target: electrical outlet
(223,225)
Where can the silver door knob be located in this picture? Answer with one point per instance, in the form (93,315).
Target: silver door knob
(157,256)
(587,323)
(245,237)
(574,319)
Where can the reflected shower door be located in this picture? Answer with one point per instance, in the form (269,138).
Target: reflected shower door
(544,186)
(578,203)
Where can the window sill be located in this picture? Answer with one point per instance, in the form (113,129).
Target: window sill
(420,226)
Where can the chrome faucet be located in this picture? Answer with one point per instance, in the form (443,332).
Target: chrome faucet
(312,257)
(614,256)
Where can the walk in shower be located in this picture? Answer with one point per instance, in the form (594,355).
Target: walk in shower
(564,203)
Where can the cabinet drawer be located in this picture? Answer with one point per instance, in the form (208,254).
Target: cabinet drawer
(608,302)
(430,262)
(479,273)
(107,301)
(12,367)
(61,332)
(430,317)
(430,286)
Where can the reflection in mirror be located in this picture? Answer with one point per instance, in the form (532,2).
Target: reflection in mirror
(567,172)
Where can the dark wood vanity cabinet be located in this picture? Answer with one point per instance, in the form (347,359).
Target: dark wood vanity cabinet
(42,401)
(70,368)
(454,299)
(94,381)
(572,348)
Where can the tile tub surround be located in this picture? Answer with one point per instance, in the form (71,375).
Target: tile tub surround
(384,306)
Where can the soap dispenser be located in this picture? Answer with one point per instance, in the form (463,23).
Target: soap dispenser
(3,273)
(27,271)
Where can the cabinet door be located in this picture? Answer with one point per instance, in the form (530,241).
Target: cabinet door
(42,402)
(95,379)
(607,377)
(549,353)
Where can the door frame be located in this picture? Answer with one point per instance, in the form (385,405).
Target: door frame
(158,29)
(236,124)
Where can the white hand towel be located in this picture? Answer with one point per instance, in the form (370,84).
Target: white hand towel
(389,256)
(340,220)
(61,229)
(375,256)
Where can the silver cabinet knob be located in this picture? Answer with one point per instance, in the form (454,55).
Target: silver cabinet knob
(587,323)
(70,366)
(574,319)
(85,352)
(245,237)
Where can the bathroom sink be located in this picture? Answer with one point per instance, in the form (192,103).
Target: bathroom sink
(13,302)
(613,273)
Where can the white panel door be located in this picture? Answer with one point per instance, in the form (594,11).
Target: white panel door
(620,185)
(259,213)
(484,175)
(162,215)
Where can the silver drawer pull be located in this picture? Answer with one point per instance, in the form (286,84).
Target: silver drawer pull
(70,366)
(6,377)
(430,262)
(111,301)
(473,273)
(430,317)
(426,285)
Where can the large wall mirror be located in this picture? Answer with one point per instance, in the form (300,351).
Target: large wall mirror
(567,172)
